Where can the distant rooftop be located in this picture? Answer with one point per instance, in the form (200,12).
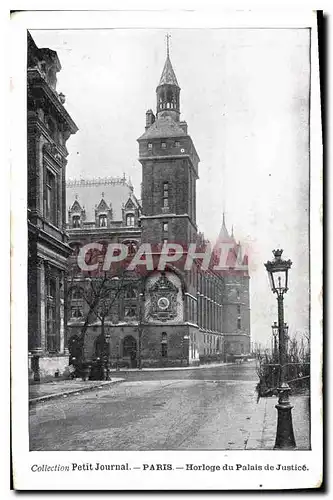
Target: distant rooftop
(89,192)
(99,181)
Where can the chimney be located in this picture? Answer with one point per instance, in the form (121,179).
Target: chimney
(183,125)
(150,118)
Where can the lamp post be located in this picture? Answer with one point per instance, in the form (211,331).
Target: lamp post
(275,331)
(278,276)
(286,336)
(106,356)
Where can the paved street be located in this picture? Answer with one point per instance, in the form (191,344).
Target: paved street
(210,408)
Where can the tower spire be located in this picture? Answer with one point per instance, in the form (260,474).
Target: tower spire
(168,90)
(167,36)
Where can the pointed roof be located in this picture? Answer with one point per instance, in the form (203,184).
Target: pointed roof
(224,234)
(76,207)
(168,76)
(129,204)
(102,205)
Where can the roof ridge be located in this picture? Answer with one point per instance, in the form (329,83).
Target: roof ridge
(97,181)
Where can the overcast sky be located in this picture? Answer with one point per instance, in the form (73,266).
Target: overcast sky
(245,97)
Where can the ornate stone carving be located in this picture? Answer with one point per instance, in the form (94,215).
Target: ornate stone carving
(52,150)
(163,299)
(62,98)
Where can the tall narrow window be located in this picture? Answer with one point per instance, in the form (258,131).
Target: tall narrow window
(102,220)
(238,310)
(129,220)
(165,227)
(239,324)
(76,221)
(164,345)
(50,197)
(165,194)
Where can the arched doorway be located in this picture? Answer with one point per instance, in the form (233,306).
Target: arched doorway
(130,350)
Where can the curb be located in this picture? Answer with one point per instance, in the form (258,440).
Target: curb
(58,395)
(256,436)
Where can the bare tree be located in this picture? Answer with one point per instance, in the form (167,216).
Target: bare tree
(100,291)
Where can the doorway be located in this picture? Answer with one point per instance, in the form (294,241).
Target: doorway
(130,350)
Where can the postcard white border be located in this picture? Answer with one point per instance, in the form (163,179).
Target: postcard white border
(24,478)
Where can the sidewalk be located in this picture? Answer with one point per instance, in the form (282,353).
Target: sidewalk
(263,436)
(63,388)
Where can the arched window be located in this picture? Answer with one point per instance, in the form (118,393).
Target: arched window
(130,220)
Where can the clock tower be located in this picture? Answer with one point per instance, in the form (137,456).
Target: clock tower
(169,168)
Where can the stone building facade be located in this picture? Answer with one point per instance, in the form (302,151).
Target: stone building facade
(49,126)
(167,317)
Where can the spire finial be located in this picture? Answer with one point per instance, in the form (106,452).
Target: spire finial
(167,36)
(223,218)
(232,231)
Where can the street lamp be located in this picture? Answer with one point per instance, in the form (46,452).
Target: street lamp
(278,277)
(275,331)
(106,356)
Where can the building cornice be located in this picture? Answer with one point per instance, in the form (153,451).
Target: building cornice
(36,79)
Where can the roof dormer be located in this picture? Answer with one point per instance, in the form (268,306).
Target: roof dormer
(103,213)
(76,215)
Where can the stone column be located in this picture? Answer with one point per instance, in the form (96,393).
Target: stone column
(61,326)
(36,346)
(35,271)
(42,305)
(63,195)
(58,311)
(40,170)
(65,309)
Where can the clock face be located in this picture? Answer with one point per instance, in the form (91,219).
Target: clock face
(163,303)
